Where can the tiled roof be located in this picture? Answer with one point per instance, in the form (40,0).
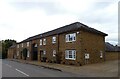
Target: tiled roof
(71,27)
(110,48)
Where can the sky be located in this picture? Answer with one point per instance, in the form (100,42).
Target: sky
(20,19)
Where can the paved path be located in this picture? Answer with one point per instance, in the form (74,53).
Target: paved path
(16,69)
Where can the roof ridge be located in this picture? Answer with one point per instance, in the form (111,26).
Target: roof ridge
(66,28)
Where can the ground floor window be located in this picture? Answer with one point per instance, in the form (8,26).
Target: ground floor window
(101,54)
(28,54)
(87,56)
(44,52)
(54,53)
(17,53)
(70,54)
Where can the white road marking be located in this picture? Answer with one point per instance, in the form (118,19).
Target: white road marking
(9,65)
(22,72)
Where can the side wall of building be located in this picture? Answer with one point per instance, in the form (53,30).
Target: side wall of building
(94,45)
(112,56)
(11,53)
(86,42)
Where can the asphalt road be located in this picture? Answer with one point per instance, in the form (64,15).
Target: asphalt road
(16,69)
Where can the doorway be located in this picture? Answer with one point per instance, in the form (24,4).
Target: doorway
(34,52)
(43,57)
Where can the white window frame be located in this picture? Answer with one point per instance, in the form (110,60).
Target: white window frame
(18,46)
(44,52)
(87,55)
(35,45)
(22,44)
(101,54)
(28,53)
(71,36)
(40,42)
(54,53)
(17,53)
(73,53)
(53,39)
(28,44)
(44,41)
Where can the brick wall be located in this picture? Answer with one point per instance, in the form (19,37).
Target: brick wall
(112,56)
(92,44)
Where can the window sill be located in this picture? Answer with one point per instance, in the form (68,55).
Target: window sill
(70,59)
(69,41)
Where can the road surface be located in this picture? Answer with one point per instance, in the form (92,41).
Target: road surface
(16,69)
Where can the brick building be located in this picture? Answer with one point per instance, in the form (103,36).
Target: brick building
(12,52)
(75,43)
(111,51)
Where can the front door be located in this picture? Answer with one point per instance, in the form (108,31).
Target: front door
(43,56)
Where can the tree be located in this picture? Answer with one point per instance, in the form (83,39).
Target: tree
(5,45)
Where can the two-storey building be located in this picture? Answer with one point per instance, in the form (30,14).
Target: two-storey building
(75,43)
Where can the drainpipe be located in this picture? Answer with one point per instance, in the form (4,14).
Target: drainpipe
(57,45)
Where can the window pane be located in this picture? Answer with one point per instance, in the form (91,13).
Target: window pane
(44,52)
(74,54)
(70,37)
(70,54)
(44,42)
(54,40)
(40,41)
(54,53)
(28,53)
(27,44)
(66,54)
(67,37)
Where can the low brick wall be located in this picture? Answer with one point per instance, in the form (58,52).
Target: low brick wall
(112,56)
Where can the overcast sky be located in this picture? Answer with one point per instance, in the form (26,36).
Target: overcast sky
(20,19)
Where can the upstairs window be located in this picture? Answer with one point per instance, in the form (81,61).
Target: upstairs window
(27,44)
(18,46)
(22,44)
(35,45)
(70,54)
(44,41)
(54,39)
(71,37)
(40,41)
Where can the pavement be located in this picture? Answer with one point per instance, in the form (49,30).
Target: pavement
(105,69)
